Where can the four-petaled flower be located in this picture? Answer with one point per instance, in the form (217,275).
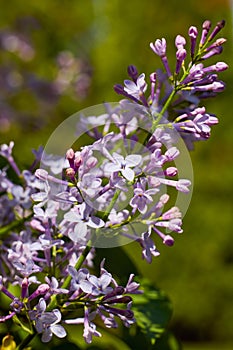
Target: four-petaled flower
(46,323)
(124,165)
(136,89)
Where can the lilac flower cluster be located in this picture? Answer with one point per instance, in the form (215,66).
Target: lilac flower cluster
(183,90)
(109,192)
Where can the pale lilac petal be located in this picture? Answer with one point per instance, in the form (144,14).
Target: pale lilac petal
(79,232)
(72,217)
(47,335)
(133,160)
(58,330)
(128,174)
(95,222)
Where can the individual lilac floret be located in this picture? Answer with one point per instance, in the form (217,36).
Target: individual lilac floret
(6,152)
(141,198)
(89,327)
(136,89)
(148,245)
(46,323)
(124,165)
(159,48)
(81,216)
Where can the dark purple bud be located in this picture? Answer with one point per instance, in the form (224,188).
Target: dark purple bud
(126,313)
(180,56)
(119,89)
(205,30)
(216,30)
(132,72)
(168,240)
(24,290)
(117,291)
(193,32)
(215,51)
(123,300)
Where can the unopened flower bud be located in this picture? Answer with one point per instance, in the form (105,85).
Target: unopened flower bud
(171,171)
(41,174)
(205,30)
(180,42)
(70,172)
(78,160)
(168,240)
(217,29)
(70,154)
(133,72)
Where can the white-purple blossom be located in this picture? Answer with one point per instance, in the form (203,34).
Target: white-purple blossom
(124,165)
(46,323)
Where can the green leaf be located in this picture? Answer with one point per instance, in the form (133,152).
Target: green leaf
(152,311)
(167,342)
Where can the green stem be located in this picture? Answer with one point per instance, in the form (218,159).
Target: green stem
(111,204)
(26,341)
(161,113)
(79,263)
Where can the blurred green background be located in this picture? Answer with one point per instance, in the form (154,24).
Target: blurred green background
(59,57)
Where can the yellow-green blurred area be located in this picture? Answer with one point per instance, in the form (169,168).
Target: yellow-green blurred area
(58,57)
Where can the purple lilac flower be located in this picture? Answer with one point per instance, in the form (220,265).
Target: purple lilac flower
(141,198)
(90,185)
(46,323)
(6,152)
(89,327)
(124,165)
(137,88)
(81,216)
(148,245)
